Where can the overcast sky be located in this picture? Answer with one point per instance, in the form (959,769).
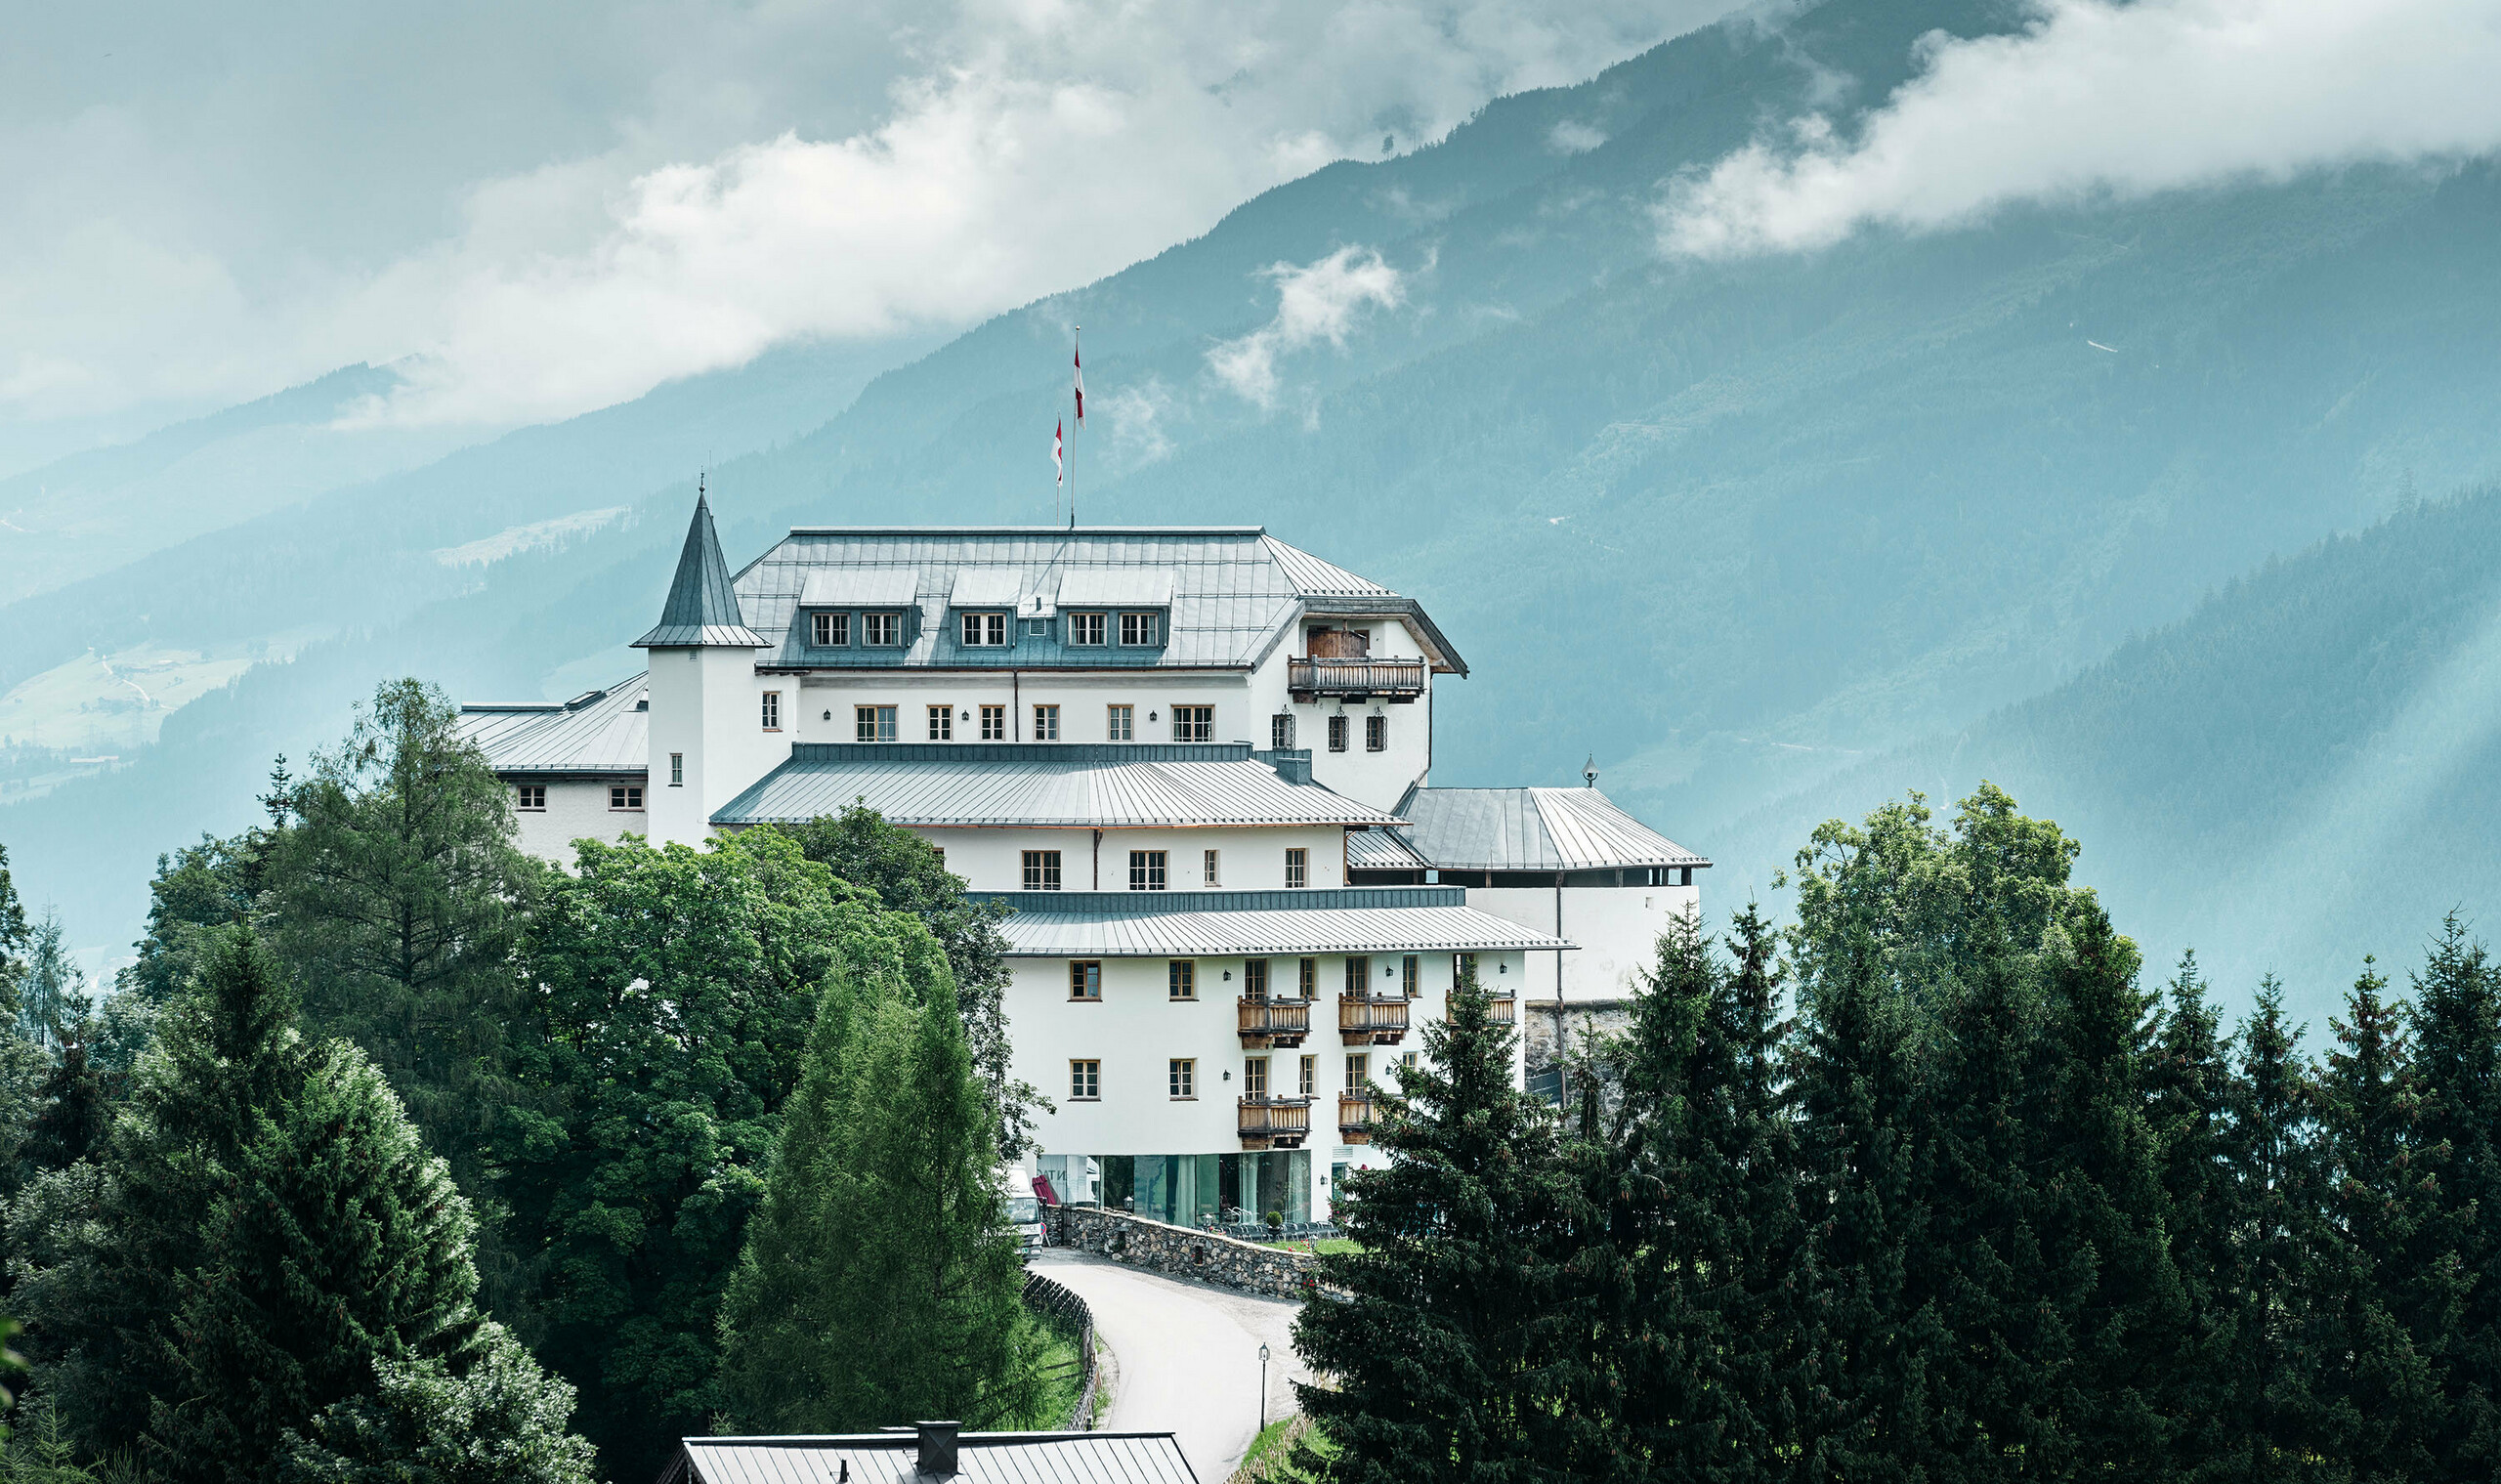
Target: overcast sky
(555,206)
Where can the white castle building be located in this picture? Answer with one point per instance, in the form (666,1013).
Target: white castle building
(1194,761)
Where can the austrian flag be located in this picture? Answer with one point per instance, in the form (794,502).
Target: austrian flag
(1080,385)
(1059,461)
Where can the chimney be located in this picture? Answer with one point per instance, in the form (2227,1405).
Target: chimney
(937,1449)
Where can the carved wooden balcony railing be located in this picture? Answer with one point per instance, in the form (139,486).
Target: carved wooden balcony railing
(1364,1020)
(1355,679)
(1354,1117)
(1273,1022)
(1503,1009)
(1274,1122)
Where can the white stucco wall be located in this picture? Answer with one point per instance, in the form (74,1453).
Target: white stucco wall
(576,809)
(1617,928)
(1248,858)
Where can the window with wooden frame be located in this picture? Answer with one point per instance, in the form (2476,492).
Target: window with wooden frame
(1358,976)
(626,796)
(1358,1070)
(1046,723)
(1254,1077)
(1085,979)
(1142,629)
(1184,1076)
(1041,871)
(830,631)
(1376,734)
(1410,975)
(1310,1081)
(533,797)
(1254,978)
(1298,867)
(881,630)
(993,724)
(677,770)
(773,710)
(1181,978)
(1281,730)
(1307,977)
(876,724)
(1337,733)
(1085,630)
(942,722)
(1463,967)
(1146,869)
(1084,1079)
(982,631)
(1120,723)
(1207,868)
(1193,724)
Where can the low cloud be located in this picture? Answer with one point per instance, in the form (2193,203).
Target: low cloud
(1318,301)
(1570,136)
(2093,98)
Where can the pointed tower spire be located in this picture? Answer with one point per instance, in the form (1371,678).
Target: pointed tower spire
(702,608)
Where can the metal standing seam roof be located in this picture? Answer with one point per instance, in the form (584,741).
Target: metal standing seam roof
(599,732)
(702,607)
(1381,850)
(1230,593)
(1035,934)
(1532,829)
(1071,784)
(981,1458)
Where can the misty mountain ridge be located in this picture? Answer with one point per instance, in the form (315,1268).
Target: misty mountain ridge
(1749,532)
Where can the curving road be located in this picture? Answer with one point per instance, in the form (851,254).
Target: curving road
(1186,1356)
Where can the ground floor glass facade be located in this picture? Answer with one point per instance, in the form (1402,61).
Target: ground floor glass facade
(1187,1189)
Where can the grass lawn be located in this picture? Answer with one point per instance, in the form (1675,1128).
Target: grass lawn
(1324,1244)
(1270,1459)
(1061,1378)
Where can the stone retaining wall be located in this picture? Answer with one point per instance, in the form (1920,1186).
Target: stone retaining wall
(1182,1252)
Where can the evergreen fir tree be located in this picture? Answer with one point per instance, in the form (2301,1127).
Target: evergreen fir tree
(74,1113)
(880,1281)
(2276,1198)
(2187,1095)
(13,937)
(1457,1344)
(2456,1024)
(502,1423)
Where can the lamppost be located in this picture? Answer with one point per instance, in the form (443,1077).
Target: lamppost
(1263,1390)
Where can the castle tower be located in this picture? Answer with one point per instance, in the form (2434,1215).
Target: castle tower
(708,740)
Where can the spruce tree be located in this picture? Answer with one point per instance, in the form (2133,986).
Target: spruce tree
(501,1423)
(2456,1024)
(882,1234)
(1458,1342)
(2187,1097)
(2272,1355)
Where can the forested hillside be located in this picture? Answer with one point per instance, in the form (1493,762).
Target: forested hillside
(1733,528)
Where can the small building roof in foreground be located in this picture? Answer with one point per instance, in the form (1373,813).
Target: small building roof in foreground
(602,733)
(1531,829)
(890,1457)
(1040,786)
(1112,924)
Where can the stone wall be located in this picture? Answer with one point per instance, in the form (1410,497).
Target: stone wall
(1581,1020)
(1181,1252)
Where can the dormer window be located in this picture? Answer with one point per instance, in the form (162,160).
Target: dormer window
(827,631)
(881,630)
(984,631)
(1142,629)
(1085,630)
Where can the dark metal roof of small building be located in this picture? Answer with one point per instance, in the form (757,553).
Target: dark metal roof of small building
(1391,919)
(701,611)
(1531,829)
(982,1457)
(595,732)
(1381,850)
(1229,593)
(1040,784)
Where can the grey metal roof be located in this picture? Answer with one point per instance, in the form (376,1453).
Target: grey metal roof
(1073,785)
(1224,924)
(605,732)
(1232,593)
(703,607)
(981,1458)
(1380,850)
(1532,829)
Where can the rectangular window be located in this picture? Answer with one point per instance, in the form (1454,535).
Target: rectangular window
(985,630)
(1406,1064)
(677,770)
(1410,975)
(1121,725)
(1310,1084)
(1254,978)
(533,797)
(1085,979)
(1307,977)
(625,796)
(993,724)
(773,710)
(942,722)
(1376,734)
(1142,629)
(1185,1077)
(1085,630)
(1281,730)
(1358,1070)
(882,630)
(1207,871)
(1254,1077)
(830,631)
(1337,733)
(1297,868)
(1463,967)
(1146,870)
(1046,723)
(1193,724)
(876,724)
(1358,976)
(1041,871)
(1086,1080)
(1181,978)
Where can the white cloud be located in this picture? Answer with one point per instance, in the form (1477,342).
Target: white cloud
(2096,98)
(1570,136)
(1318,301)
(556,208)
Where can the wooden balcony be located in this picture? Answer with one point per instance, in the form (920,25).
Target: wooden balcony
(1362,679)
(1274,1122)
(1503,1009)
(1354,1118)
(1372,1021)
(1272,1022)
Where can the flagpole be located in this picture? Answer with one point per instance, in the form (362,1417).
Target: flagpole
(1078,341)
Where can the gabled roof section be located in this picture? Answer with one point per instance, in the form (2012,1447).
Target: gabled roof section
(600,732)
(702,607)
(1231,593)
(1219,923)
(1532,829)
(981,1458)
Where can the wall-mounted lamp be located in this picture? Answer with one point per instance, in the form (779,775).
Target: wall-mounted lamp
(1150,716)
(1228,1073)
(964,717)
(828,716)
(1502,969)
(1228,976)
